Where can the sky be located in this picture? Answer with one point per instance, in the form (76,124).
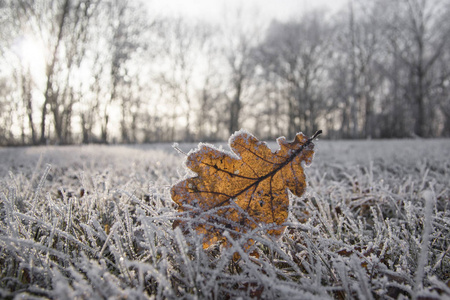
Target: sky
(213,10)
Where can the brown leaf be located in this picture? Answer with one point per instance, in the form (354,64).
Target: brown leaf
(243,190)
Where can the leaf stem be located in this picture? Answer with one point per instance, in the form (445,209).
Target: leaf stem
(318,132)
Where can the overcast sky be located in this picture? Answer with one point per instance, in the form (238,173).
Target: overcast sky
(213,10)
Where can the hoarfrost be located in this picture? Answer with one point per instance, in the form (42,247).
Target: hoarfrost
(97,224)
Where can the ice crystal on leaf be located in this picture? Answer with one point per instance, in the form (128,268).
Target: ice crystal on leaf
(243,190)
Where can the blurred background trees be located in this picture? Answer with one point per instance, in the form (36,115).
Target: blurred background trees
(85,71)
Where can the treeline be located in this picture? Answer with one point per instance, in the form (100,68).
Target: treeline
(87,71)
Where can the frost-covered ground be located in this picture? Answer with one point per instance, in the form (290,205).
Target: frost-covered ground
(95,222)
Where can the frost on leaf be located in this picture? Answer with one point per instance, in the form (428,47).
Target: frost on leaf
(240,191)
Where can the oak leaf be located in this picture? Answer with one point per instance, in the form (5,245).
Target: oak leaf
(240,191)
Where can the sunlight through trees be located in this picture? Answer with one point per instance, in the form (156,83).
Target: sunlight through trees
(88,71)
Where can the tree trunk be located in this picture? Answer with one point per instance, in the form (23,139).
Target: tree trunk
(50,96)
(28,103)
(235,109)
(104,129)
(369,122)
(291,113)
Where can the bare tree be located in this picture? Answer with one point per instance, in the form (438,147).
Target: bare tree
(296,53)
(418,35)
(119,47)
(441,91)
(90,102)
(241,38)
(184,42)
(27,89)
(353,70)
(210,93)
(61,25)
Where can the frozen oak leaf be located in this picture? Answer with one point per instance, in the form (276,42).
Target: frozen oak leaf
(240,191)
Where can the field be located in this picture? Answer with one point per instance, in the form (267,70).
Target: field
(95,222)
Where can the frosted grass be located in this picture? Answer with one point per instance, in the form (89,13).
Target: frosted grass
(95,222)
